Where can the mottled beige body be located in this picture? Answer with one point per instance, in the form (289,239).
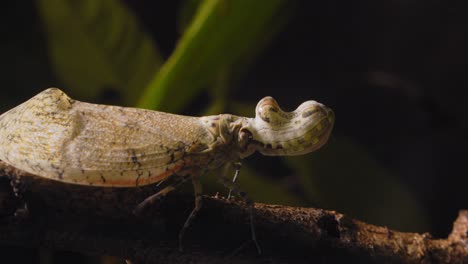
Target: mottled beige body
(55,137)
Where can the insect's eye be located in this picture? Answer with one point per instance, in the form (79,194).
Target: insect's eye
(245,136)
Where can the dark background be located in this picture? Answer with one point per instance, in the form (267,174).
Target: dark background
(394,72)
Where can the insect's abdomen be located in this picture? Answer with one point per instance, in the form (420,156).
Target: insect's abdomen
(56,137)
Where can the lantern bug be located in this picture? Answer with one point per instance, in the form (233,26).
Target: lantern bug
(58,138)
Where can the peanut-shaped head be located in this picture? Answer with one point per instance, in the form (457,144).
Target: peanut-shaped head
(274,132)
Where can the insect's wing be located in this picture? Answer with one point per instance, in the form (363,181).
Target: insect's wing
(59,138)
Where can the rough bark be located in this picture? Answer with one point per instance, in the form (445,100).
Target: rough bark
(100,221)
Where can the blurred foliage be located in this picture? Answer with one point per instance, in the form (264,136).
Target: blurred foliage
(94,45)
(219,34)
(97,45)
(344,177)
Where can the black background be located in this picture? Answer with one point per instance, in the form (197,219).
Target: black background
(394,72)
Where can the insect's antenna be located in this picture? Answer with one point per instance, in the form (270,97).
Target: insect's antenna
(237,167)
(235,188)
(250,204)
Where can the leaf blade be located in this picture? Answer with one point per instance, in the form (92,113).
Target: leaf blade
(220,32)
(97,44)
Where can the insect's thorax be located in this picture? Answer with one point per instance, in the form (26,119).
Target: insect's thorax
(223,146)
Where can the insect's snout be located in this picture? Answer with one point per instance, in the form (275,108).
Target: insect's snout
(313,121)
(276,132)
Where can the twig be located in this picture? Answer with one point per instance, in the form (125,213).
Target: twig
(100,221)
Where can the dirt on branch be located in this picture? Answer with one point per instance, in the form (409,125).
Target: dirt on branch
(100,221)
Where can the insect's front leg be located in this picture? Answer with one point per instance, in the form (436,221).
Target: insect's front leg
(237,166)
(197,187)
(149,201)
(19,186)
(234,187)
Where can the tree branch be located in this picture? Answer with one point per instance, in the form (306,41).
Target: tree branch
(100,221)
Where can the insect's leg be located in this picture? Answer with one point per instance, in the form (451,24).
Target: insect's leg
(159,183)
(140,208)
(19,186)
(197,187)
(153,198)
(237,167)
(235,188)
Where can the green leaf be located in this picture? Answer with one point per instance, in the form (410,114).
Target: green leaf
(98,44)
(219,34)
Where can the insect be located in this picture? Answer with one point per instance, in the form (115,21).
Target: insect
(58,138)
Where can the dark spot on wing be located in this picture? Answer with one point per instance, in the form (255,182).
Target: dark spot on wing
(58,171)
(102,178)
(60,174)
(135,159)
(139,174)
(70,101)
